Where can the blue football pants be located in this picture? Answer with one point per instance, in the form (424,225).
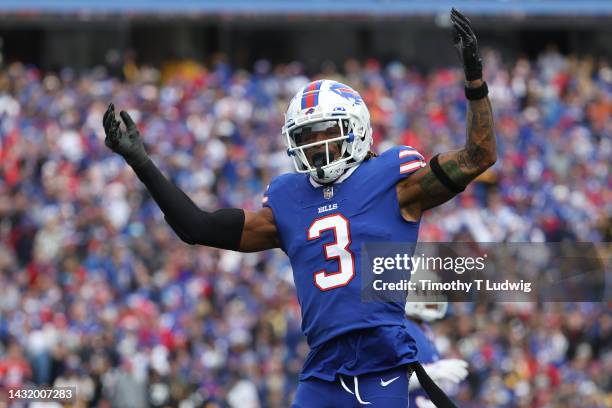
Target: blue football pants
(386,389)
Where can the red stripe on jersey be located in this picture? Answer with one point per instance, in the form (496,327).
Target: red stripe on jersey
(411,166)
(410,152)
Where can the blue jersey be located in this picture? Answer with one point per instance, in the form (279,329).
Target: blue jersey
(427,353)
(321,229)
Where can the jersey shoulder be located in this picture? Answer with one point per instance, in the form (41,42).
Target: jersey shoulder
(280,186)
(400,161)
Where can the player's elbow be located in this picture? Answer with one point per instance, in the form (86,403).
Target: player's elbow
(221,229)
(485,159)
(489,160)
(183,233)
(199,229)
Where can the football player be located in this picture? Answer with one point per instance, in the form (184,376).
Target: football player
(341,195)
(448,371)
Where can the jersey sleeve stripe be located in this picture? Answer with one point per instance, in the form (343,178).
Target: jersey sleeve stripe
(411,158)
(264,199)
(410,152)
(411,166)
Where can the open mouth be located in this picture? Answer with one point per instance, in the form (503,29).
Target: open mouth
(319,159)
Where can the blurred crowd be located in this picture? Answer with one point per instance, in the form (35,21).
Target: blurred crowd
(98,292)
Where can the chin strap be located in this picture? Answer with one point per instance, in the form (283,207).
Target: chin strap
(316,183)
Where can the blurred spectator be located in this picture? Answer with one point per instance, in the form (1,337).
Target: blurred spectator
(98,292)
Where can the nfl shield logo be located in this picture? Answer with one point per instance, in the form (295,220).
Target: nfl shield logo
(328,192)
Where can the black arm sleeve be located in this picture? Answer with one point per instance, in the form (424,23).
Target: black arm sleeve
(220,229)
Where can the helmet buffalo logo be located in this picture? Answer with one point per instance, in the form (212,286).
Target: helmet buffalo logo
(346,92)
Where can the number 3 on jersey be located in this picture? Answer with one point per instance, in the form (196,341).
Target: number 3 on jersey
(335,250)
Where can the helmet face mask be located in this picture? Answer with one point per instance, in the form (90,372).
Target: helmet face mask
(319,146)
(427,311)
(426,305)
(327,139)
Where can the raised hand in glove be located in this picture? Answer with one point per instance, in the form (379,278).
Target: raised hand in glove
(125,143)
(467,46)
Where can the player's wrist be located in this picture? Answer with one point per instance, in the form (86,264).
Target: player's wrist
(474,83)
(478,92)
(137,161)
(473,69)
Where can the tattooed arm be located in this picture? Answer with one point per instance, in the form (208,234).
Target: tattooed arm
(423,190)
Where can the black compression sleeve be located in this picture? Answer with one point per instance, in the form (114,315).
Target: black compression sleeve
(443,177)
(221,229)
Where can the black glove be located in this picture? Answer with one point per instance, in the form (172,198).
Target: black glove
(467,46)
(126,143)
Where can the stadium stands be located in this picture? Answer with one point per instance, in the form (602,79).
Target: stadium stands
(97,289)
(319,7)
